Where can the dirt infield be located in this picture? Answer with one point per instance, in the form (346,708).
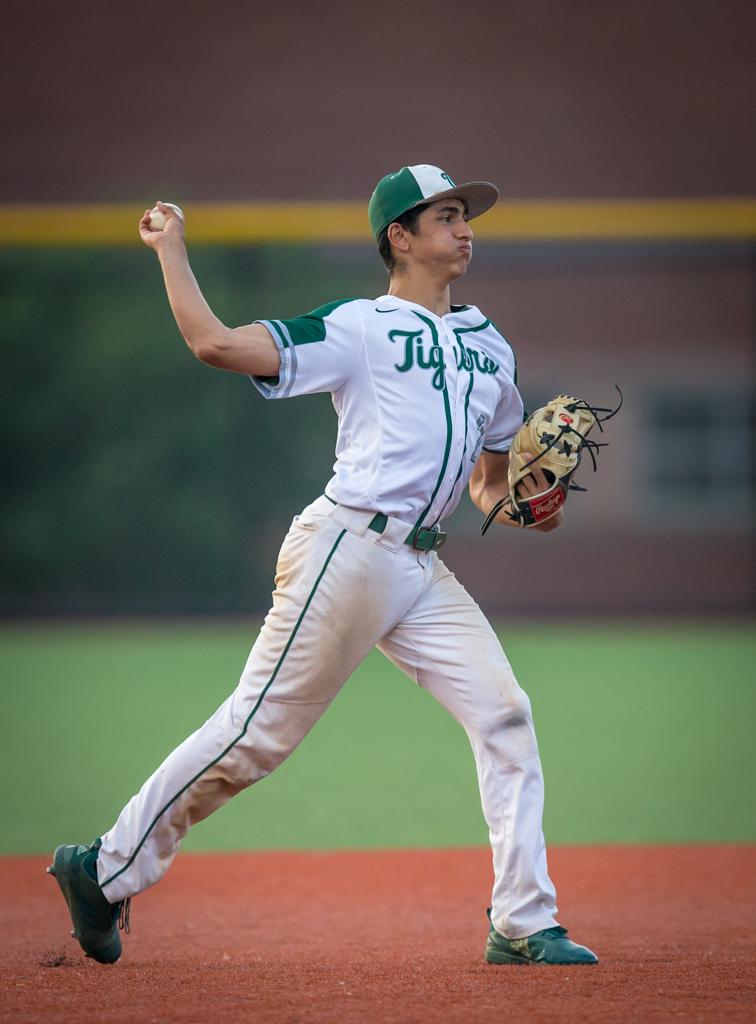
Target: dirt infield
(391,936)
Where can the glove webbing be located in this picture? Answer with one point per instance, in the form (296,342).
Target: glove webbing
(552,439)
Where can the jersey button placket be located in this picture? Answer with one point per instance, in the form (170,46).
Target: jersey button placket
(443,338)
(453,384)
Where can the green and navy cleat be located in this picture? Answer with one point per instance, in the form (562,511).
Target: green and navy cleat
(95,921)
(550,946)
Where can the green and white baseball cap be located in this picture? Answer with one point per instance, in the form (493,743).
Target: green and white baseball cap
(424,183)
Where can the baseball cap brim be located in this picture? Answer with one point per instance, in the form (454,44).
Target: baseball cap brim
(478,196)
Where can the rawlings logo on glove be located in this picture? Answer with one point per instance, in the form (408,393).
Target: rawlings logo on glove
(558,434)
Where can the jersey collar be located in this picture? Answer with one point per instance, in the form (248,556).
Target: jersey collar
(389,303)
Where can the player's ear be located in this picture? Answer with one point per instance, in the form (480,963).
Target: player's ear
(397,235)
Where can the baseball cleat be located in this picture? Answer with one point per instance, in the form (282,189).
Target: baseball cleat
(95,921)
(550,946)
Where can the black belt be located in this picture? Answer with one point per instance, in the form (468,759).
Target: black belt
(421,538)
(424,538)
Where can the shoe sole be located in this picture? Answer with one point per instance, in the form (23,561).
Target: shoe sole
(510,961)
(60,871)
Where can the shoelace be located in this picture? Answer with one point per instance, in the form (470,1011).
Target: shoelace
(124,915)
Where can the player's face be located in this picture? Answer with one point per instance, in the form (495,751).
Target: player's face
(443,238)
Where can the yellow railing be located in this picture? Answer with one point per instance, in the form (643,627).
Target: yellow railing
(210,223)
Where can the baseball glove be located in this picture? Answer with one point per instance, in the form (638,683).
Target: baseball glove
(555,436)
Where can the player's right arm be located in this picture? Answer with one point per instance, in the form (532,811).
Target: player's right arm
(248,349)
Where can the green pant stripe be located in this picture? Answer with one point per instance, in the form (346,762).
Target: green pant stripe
(251,715)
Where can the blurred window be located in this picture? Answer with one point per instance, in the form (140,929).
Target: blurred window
(702,456)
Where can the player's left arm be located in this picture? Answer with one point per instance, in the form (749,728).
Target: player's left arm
(489,484)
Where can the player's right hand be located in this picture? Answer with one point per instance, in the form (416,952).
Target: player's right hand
(172,233)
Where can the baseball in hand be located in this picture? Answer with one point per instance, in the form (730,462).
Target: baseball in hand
(158,220)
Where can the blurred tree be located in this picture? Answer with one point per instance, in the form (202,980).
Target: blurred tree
(136,479)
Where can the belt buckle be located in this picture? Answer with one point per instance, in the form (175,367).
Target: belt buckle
(428,539)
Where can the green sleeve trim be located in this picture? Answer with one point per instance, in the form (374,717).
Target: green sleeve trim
(277,328)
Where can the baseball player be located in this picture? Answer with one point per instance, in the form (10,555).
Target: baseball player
(427,404)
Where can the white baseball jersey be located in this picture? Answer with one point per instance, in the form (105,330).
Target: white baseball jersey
(417,396)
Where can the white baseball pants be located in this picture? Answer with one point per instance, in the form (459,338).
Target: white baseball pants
(340,589)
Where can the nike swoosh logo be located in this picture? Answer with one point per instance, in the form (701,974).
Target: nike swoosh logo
(394,310)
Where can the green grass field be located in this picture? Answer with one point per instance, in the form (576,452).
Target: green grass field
(645,735)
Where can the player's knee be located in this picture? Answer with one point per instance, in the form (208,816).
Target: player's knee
(518,713)
(517,720)
(510,720)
